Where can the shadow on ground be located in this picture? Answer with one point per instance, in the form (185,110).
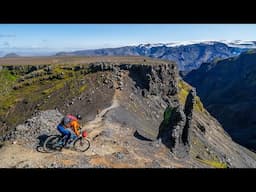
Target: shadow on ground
(41,139)
(140,137)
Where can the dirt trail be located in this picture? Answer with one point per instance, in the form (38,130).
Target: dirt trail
(99,117)
(98,121)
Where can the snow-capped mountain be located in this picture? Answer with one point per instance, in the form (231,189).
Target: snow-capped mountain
(234,43)
(187,54)
(241,44)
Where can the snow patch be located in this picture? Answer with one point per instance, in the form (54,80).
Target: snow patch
(235,43)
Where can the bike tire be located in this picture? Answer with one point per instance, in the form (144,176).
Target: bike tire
(81,144)
(49,144)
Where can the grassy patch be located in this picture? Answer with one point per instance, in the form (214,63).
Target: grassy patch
(250,51)
(167,116)
(6,82)
(29,93)
(217,59)
(215,164)
(82,88)
(199,148)
(6,75)
(35,91)
(184,89)
(55,85)
(199,105)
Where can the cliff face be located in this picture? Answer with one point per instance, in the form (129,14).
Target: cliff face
(133,109)
(227,89)
(146,89)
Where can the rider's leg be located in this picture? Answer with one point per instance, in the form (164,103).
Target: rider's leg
(73,135)
(64,132)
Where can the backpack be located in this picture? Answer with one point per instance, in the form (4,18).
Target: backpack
(73,118)
(67,119)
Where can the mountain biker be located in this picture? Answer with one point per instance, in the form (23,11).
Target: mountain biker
(69,126)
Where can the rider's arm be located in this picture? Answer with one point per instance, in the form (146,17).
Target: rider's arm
(76,127)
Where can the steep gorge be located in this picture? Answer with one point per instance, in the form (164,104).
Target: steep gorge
(227,89)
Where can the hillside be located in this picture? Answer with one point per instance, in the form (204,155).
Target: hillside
(137,112)
(188,55)
(227,89)
(11,55)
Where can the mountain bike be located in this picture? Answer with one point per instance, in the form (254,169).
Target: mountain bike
(57,142)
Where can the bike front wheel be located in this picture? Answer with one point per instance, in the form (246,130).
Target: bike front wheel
(81,144)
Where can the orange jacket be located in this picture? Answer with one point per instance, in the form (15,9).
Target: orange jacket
(75,126)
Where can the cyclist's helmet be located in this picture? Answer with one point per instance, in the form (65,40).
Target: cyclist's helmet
(78,116)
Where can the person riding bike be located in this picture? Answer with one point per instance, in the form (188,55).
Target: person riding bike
(69,127)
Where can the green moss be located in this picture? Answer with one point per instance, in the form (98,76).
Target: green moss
(5,74)
(199,148)
(184,89)
(55,85)
(215,164)
(6,104)
(165,124)
(167,116)
(46,91)
(250,51)
(7,80)
(217,59)
(199,105)
(82,88)
(58,69)
(35,89)
(28,93)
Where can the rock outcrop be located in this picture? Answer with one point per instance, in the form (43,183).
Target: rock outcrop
(157,80)
(188,110)
(177,127)
(35,129)
(176,134)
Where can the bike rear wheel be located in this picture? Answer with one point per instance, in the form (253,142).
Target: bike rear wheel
(81,144)
(51,144)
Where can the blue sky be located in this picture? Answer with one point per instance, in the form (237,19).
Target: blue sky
(59,37)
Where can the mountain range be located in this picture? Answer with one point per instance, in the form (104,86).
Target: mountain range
(11,55)
(188,54)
